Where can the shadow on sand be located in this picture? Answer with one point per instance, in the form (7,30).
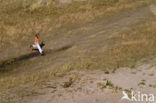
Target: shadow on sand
(28,56)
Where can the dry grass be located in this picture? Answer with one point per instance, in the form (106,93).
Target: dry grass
(19,22)
(36,79)
(125,48)
(17,30)
(130,46)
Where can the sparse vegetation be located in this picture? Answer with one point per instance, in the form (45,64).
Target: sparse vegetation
(66,68)
(150,85)
(48,19)
(128,91)
(108,84)
(69,83)
(57,23)
(106,71)
(142,83)
(151,74)
(130,46)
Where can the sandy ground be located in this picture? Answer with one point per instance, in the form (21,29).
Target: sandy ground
(85,87)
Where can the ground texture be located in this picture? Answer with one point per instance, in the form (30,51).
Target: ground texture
(87,85)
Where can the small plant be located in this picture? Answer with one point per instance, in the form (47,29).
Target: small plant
(104,86)
(22,81)
(141,83)
(113,71)
(86,65)
(150,85)
(151,74)
(91,81)
(79,88)
(128,91)
(117,88)
(133,72)
(66,68)
(69,83)
(106,71)
(109,83)
(104,79)
(101,85)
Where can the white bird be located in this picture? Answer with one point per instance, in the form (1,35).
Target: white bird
(125,96)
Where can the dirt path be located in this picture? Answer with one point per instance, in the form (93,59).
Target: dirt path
(88,85)
(92,36)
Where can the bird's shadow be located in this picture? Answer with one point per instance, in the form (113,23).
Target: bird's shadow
(28,56)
